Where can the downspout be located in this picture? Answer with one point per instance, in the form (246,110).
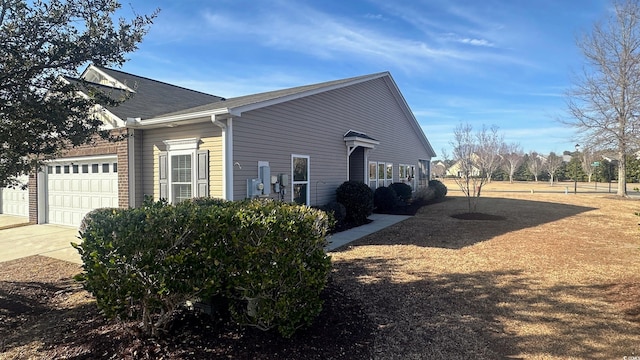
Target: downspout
(227,156)
(348,163)
(131,166)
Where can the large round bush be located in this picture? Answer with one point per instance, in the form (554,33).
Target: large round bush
(357,198)
(403,191)
(385,199)
(440,188)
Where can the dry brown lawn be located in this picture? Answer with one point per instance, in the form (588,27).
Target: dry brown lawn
(558,279)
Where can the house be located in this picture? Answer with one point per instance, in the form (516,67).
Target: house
(458,168)
(296,144)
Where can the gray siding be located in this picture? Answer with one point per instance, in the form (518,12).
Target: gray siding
(357,165)
(315,126)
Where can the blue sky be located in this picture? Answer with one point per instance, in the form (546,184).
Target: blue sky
(502,62)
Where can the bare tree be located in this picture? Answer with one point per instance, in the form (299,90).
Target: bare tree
(512,156)
(604,101)
(551,165)
(489,142)
(587,158)
(472,171)
(534,164)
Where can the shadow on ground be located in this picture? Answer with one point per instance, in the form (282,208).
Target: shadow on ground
(460,315)
(432,225)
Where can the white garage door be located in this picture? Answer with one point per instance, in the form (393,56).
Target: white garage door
(75,188)
(15,201)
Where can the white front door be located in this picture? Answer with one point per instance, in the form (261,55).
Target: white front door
(15,201)
(76,187)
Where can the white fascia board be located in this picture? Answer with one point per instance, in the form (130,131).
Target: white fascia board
(176,120)
(114,82)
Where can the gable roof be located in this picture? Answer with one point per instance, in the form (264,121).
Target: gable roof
(234,107)
(237,105)
(148,98)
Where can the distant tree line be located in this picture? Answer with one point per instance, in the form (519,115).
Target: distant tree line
(533,166)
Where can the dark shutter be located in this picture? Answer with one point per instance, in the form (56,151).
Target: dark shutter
(163,178)
(202,180)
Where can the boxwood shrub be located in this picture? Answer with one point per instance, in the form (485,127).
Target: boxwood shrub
(357,198)
(142,263)
(440,189)
(280,265)
(266,258)
(403,191)
(385,199)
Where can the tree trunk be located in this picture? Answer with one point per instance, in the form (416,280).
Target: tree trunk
(622,174)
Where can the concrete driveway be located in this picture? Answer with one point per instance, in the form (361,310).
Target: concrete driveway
(46,240)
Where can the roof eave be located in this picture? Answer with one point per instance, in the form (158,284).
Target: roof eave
(175,120)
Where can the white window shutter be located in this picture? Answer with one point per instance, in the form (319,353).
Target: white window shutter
(163,176)
(202,179)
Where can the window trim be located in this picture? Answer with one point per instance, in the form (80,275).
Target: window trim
(177,148)
(381,169)
(307,182)
(171,182)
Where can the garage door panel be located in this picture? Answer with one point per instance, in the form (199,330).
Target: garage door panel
(71,195)
(15,201)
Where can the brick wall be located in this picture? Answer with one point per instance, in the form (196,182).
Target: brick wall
(97,147)
(33,198)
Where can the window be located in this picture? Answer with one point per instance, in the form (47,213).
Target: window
(94,168)
(381,175)
(85,168)
(49,169)
(66,169)
(105,168)
(300,183)
(115,167)
(181,178)
(75,168)
(407,175)
(424,172)
(373,178)
(183,170)
(58,169)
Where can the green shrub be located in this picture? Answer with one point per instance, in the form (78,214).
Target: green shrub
(440,189)
(385,199)
(281,266)
(142,263)
(357,198)
(266,259)
(403,191)
(424,195)
(337,212)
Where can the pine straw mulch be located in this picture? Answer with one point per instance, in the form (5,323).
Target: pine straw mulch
(547,276)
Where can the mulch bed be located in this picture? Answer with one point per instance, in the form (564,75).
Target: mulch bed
(49,314)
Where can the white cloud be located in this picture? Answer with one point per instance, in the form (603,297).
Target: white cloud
(477,42)
(307,30)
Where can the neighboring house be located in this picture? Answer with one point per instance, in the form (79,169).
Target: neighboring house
(438,169)
(457,170)
(295,144)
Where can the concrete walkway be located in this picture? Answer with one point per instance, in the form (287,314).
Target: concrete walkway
(9,221)
(380,221)
(55,241)
(46,240)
